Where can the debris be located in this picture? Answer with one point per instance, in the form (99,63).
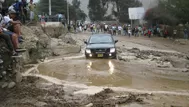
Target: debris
(40,104)
(89,105)
(11,85)
(4,85)
(18,77)
(185,71)
(1,61)
(4,73)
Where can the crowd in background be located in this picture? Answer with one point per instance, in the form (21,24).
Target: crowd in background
(127,30)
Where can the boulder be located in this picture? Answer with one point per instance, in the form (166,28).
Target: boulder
(59,47)
(37,44)
(11,85)
(53,29)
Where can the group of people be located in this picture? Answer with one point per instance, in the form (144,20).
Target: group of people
(22,8)
(10,25)
(140,30)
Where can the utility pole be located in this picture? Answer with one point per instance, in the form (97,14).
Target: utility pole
(68,17)
(50,8)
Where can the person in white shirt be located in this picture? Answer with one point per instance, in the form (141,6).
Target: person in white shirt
(119,29)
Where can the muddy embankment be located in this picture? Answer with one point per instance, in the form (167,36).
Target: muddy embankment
(142,77)
(41,42)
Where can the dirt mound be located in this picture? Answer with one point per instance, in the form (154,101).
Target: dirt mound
(106,98)
(26,94)
(161,59)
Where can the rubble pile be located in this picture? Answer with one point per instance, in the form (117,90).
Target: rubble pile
(7,73)
(158,59)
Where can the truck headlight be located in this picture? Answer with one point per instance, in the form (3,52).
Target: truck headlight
(88,51)
(112,50)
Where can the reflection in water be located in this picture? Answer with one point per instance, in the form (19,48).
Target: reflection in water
(110,73)
(109,63)
(89,66)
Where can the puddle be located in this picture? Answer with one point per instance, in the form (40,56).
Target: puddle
(110,73)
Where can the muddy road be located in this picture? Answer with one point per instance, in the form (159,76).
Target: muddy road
(147,73)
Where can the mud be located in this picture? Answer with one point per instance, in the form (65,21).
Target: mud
(146,74)
(112,73)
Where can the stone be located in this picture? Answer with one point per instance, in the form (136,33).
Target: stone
(40,104)
(1,61)
(4,73)
(89,105)
(11,85)
(18,77)
(4,85)
(185,71)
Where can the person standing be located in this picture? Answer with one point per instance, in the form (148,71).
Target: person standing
(165,33)
(149,32)
(105,28)
(98,28)
(119,29)
(24,11)
(174,33)
(186,33)
(114,29)
(125,30)
(31,6)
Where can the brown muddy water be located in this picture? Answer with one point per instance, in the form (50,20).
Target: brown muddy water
(112,73)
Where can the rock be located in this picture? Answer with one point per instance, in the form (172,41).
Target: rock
(4,73)
(185,71)
(134,50)
(54,29)
(4,85)
(1,61)
(37,44)
(18,77)
(187,66)
(40,104)
(89,105)
(11,85)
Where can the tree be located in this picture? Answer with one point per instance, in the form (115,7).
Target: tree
(58,6)
(77,12)
(8,3)
(169,12)
(122,8)
(96,10)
